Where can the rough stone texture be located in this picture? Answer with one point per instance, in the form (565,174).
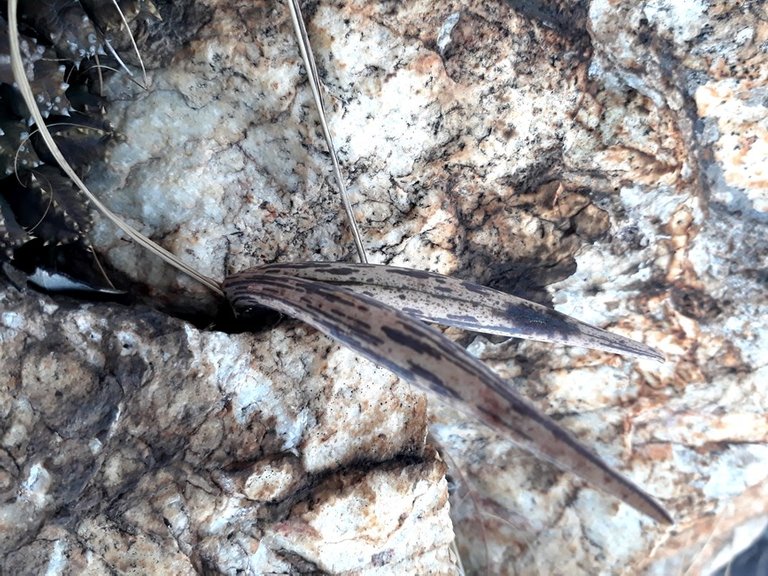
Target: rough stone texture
(617,150)
(131,442)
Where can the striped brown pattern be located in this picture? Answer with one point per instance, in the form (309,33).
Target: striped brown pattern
(423,356)
(444,300)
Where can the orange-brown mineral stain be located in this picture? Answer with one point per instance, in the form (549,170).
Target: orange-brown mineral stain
(682,229)
(741,149)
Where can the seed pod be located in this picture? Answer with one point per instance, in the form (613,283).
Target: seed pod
(425,357)
(451,302)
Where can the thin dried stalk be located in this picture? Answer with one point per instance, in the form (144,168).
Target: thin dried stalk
(133,44)
(314,82)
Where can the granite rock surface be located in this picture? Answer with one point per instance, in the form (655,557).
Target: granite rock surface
(606,158)
(134,443)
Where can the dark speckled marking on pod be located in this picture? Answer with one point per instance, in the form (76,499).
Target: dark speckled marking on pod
(553,323)
(476,288)
(405,339)
(330,296)
(437,385)
(345,271)
(421,274)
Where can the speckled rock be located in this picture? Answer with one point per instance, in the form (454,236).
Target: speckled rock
(608,158)
(133,443)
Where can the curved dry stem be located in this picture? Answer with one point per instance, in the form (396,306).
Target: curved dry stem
(116,56)
(99,67)
(103,272)
(314,82)
(133,43)
(26,92)
(101,75)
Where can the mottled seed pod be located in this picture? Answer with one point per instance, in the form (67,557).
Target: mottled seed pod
(423,356)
